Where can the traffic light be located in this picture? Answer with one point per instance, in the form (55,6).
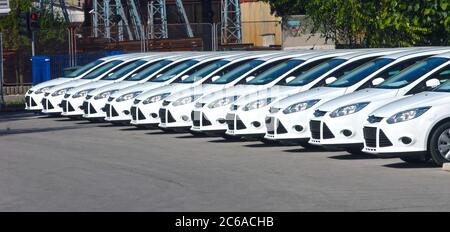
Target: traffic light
(24,24)
(34,21)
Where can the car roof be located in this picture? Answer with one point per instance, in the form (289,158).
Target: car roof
(443,55)
(418,52)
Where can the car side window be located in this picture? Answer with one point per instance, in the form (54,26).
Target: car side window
(262,69)
(391,71)
(226,69)
(344,70)
(442,75)
(196,68)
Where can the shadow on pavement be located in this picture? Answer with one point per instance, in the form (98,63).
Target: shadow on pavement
(354,157)
(227,141)
(15,116)
(404,165)
(301,149)
(9,131)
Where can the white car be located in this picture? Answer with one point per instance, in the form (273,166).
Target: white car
(96,99)
(54,96)
(249,118)
(393,130)
(288,120)
(181,109)
(212,109)
(146,106)
(338,123)
(118,106)
(35,94)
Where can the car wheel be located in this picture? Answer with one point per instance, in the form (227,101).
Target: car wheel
(440,144)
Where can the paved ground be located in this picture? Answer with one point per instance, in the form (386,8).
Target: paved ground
(58,164)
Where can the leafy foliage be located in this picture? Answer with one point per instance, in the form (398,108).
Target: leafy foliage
(375,23)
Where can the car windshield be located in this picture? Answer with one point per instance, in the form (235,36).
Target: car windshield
(175,71)
(275,72)
(444,87)
(203,72)
(237,72)
(148,70)
(412,73)
(360,73)
(84,69)
(123,71)
(312,74)
(103,69)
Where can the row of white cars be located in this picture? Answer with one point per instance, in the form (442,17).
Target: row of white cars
(390,102)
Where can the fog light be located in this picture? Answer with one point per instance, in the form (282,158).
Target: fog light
(256,124)
(346,133)
(185,118)
(221,120)
(298,128)
(126,112)
(406,140)
(154,115)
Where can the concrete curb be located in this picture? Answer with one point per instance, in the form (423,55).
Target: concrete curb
(446,167)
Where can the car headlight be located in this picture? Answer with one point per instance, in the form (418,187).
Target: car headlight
(82,93)
(407,115)
(186,100)
(155,98)
(349,109)
(300,106)
(258,103)
(61,91)
(43,90)
(105,94)
(222,102)
(128,96)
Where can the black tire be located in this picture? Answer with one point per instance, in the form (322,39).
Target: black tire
(416,159)
(434,152)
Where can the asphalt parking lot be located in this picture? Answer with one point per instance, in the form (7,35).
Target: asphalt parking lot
(56,164)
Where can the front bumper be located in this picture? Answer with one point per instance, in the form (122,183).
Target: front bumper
(50,104)
(209,120)
(118,111)
(145,114)
(386,139)
(245,124)
(94,108)
(73,106)
(280,126)
(176,116)
(33,101)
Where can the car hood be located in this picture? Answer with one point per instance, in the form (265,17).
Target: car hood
(113,86)
(170,88)
(277,91)
(240,90)
(56,81)
(419,100)
(200,89)
(70,84)
(322,93)
(363,95)
(91,85)
(137,87)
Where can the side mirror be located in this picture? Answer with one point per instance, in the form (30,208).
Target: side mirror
(249,78)
(110,74)
(432,83)
(158,75)
(329,80)
(289,79)
(377,81)
(184,77)
(134,74)
(214,78)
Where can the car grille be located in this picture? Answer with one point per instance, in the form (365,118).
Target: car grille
(270,125)
(370,136)
(374,119)
(281,129)
(113,112)
(86,107)
(195,116)
(44,103)
(107,110)
(133,113)
(315,129)
(64,105)
(239,125)
(383,140)
(327,134)
(47,104)
(166,118)
(92,109)
(319,113)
